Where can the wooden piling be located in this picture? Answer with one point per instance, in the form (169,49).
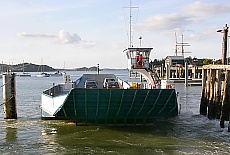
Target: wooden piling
(215,99)
(225,108)
(211,110)
(186,74)
(204,97)
(9,96)
(217,94)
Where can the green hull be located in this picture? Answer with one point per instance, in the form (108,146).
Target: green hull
(118,106)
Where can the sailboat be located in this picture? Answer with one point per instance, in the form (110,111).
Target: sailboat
(42,74)
(24,74)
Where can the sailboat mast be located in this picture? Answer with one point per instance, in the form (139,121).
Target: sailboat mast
(182,46)
(23,65)
(176,44)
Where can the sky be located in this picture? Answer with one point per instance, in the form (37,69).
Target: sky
(77,33)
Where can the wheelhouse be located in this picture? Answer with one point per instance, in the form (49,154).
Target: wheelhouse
(138,57)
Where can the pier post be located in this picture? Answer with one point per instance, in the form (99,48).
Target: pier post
(186,74)
(211,110)
(194,76)
(176,72)
(204,102)
(217,94)
(225,110)
(162,71)
(98,69)
(224,44)
(9,96)
(229,126)
(167,71)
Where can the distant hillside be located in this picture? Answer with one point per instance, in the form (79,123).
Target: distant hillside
(86,69)
(29,67)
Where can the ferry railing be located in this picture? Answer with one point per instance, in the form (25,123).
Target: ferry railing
(59,89)
(54,91)
(77,82)
(124,84)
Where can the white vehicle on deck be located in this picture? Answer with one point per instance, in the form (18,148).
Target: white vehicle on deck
(107,80)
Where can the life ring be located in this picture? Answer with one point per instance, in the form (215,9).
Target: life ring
(169,86)
(140,64)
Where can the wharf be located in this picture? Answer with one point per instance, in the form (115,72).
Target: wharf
(215,101)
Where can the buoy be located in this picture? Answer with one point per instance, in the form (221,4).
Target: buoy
(140,64)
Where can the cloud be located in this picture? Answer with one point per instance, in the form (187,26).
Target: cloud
(200,9)
(66,37)
(63,37)
(207,33)
(24,34)
(166,22)
(194,14)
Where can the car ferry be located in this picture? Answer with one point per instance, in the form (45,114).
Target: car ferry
(127,103)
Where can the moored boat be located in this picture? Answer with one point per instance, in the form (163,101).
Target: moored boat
(25,74)
(56,74)
(43,74)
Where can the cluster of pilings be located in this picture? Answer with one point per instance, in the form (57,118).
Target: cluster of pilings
(215,99)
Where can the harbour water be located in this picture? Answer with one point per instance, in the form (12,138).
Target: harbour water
(188,133)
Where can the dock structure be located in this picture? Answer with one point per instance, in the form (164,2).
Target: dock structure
(177,73)
(215,99)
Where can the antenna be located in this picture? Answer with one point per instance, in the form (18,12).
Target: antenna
(130,23)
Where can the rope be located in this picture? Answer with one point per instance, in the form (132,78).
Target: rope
(6,83)
(7,101)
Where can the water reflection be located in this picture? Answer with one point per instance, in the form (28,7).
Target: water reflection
(10,134)
(116,140)
(10,130)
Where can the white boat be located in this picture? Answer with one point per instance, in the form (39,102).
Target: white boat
(25,74)
(43,74)
(56,74)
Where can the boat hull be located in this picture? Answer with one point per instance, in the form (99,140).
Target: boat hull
(117,106)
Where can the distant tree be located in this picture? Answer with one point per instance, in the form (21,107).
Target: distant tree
(197,62)
(189,60)
(218,62)
(157,62)
(207,61)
